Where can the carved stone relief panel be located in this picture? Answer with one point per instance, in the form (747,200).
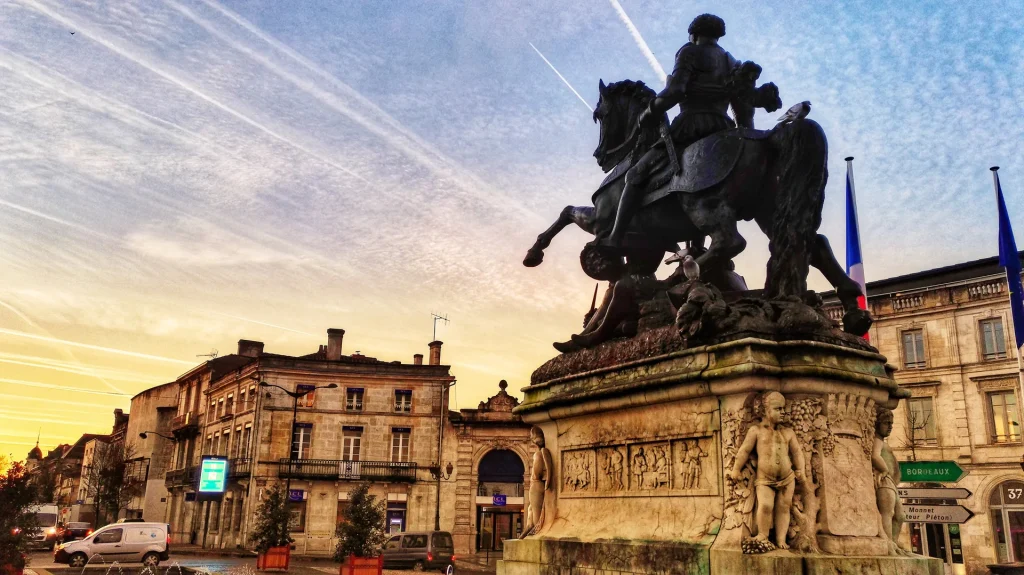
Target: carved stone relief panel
(681,466)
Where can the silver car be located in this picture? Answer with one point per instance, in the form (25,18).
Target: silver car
(146,543)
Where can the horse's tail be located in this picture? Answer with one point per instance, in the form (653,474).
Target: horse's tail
(800,172)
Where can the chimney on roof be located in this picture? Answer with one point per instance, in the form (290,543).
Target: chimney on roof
(334,337)
(417,359)
(435,352)
(250,348)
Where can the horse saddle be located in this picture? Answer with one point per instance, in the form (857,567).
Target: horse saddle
(703,164)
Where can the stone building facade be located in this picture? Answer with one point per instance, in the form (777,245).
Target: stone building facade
(380,423)
(950,334)
(490,450)
(151,412)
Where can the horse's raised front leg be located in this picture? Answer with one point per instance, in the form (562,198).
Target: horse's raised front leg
(714,217)
(579,215)
(855,320)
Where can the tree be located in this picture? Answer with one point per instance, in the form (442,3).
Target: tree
(916,432)
(114,477)
(361,531)
(17,521)
(271,526)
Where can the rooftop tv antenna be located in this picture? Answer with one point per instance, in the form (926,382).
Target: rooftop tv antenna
(438,317)
(213,354)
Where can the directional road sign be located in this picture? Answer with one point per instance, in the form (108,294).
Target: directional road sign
(937,513)
(933,492)
(938,471)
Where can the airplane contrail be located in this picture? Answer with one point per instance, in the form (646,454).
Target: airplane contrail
(25,335)
(93,34)
(564,81)
(406,141)
(263,323)
(655,65)
(60,387)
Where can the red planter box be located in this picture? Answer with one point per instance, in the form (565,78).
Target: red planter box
(275,558)
(363,566)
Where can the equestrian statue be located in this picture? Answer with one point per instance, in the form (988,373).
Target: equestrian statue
(694,179)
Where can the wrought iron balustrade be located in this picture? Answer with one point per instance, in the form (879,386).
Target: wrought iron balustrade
(240,467)
(340,469)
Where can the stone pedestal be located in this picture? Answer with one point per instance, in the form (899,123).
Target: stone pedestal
(639,439)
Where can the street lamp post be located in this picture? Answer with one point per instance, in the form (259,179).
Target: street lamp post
(145,434)
(435,470)
(295,395)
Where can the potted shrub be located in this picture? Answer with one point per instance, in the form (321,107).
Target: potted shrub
(270,532)
(361,532)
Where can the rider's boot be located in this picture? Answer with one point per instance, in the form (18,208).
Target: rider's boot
(631,195)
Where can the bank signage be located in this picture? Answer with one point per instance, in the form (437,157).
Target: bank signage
(498,500)
(936,471)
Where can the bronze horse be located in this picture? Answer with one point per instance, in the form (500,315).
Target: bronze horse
(778,181)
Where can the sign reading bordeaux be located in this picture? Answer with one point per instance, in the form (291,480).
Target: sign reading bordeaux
(937,471)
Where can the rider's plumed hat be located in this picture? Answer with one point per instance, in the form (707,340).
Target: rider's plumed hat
(707,25)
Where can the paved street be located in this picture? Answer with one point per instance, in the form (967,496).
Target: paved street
(213,564)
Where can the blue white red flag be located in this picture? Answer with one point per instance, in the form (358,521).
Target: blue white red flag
(854,262)
(1010,260)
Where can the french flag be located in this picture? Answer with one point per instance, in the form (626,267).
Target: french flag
(854,262)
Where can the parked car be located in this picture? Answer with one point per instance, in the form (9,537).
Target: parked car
(74,531)
(131,520)
(420,551)
(133,542)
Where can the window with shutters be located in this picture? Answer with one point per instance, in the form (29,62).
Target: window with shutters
(993,344)
(400,445)
(403,400)
(913,349)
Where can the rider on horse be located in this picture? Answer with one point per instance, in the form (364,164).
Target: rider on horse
(705,81)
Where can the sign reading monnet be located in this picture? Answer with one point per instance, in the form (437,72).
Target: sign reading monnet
(937,513)
(213,475)
(937,471)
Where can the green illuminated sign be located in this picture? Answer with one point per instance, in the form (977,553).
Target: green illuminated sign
(213,475)
(937,471)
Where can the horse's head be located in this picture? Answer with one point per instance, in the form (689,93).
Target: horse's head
(618,108)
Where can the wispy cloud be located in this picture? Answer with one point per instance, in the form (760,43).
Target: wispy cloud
(54,340)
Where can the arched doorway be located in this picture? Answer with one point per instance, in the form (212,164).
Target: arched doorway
(499,499)
(1006,506)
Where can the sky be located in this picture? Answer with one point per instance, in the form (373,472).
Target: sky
(180,174)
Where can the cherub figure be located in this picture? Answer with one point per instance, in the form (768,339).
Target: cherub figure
(887,475)
(541,479)
(780,464)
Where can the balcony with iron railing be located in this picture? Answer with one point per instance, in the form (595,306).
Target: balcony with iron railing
(239,467)
(490,488)
(185,425)
(354,470)
(180,477)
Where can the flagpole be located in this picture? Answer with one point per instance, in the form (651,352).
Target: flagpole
(1020,360)
(854,266)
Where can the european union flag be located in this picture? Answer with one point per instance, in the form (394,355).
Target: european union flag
(1010,259)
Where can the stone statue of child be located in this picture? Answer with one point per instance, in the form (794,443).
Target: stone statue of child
(541,482)
(887,475)
(780,463)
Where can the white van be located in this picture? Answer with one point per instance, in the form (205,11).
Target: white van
(45,535)
(146,543)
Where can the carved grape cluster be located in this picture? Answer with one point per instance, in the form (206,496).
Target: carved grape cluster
(753,546)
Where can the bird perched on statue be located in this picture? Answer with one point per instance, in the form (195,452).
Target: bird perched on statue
(797,112)
(690,268)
